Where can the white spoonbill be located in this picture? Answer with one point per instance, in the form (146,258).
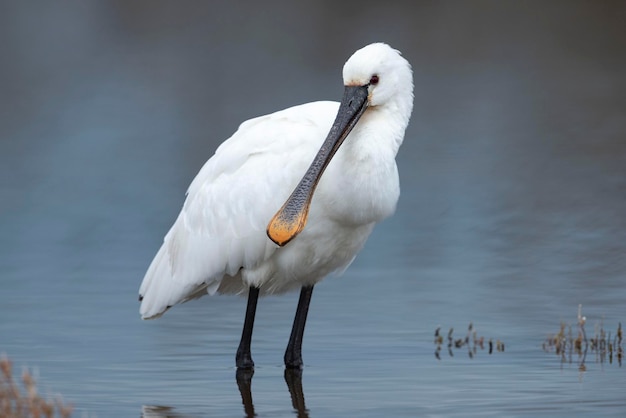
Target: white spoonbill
(288,177)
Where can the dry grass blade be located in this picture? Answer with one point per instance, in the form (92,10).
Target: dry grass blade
(26,403)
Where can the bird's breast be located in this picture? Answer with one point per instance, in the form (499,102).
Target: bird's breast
(358,191)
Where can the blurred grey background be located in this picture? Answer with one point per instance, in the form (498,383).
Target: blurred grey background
(108,110)
(513,170)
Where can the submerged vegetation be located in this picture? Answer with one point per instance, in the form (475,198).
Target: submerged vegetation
(572,343)
(471,341)
(26,403)
(604,346)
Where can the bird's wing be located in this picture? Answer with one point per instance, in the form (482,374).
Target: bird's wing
(221,227)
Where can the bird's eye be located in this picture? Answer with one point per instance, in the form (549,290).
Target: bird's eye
(374,80)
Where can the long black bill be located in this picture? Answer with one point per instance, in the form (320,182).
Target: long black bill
(291,218)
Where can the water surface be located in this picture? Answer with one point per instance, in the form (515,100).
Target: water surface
(511,215)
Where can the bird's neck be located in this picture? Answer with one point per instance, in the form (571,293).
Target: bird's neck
(379,132)
(363,172)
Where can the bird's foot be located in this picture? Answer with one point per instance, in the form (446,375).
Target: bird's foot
(244,361)
(293,360)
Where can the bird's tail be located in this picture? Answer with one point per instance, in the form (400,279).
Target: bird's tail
(153,292)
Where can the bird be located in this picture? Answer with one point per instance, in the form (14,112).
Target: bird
(289,198)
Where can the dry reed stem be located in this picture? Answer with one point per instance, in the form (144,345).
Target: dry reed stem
(15,403)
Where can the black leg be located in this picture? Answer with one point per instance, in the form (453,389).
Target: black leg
(293,354)
(244,356)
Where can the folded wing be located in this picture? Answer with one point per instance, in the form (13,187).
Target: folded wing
(221,228)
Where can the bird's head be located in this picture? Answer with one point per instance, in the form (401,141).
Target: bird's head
(385,74)
(375,76)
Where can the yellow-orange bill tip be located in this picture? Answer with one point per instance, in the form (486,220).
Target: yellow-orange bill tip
(282,229)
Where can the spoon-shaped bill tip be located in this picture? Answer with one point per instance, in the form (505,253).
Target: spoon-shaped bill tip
(287,223)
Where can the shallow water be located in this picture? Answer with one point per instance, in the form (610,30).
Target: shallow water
(511,215)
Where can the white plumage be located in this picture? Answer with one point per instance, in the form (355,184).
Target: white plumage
(219,244)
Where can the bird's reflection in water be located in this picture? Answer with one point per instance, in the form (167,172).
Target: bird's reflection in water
(293,378)
(244,382)
(156,411)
